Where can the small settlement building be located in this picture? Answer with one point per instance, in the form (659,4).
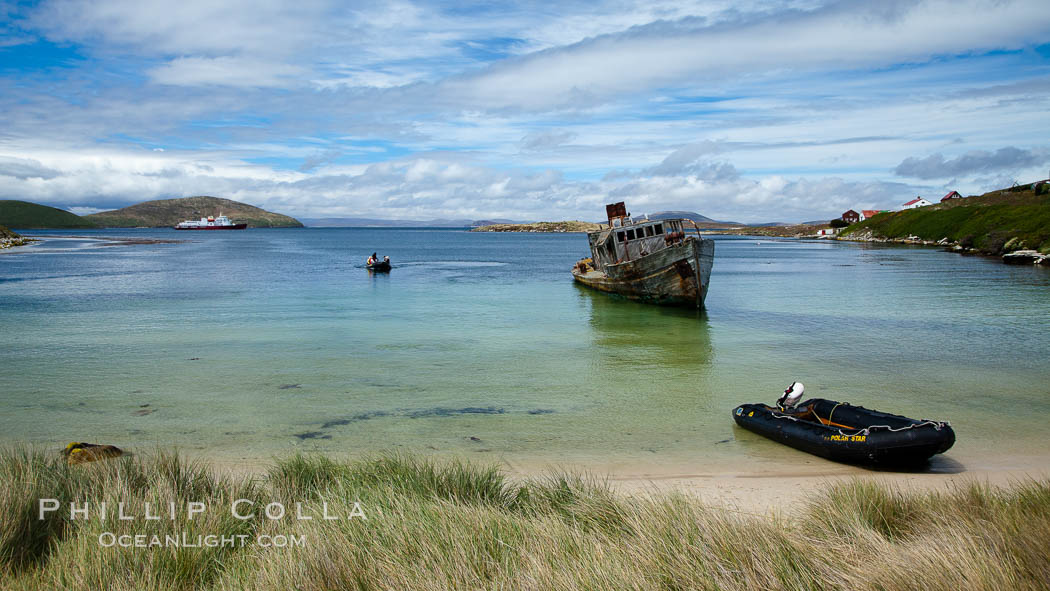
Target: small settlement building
(917,202)
(851,217)
(950,196)
(867,214)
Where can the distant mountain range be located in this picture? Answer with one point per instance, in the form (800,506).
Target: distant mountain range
(150,214)
(351,222)
(706,222)
(702,221)
(689,215)
(168,212)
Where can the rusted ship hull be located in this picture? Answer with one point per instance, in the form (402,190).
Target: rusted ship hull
(674,276)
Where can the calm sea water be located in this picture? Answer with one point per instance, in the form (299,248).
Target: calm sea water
(263,342)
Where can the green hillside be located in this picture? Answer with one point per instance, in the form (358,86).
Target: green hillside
(993,223)
(168,212)
(23,214)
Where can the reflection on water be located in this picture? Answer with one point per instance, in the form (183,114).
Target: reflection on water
(642,335)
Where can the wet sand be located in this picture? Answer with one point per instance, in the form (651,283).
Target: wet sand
(758,488)
(785,494)
(111,240)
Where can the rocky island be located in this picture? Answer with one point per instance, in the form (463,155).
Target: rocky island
(168,212)
(9,239)
(778,231)
(570,226)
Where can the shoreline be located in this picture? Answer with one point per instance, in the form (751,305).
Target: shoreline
(8,243)
(730,485)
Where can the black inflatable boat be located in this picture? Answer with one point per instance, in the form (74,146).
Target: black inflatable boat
(379,266)
(845,433)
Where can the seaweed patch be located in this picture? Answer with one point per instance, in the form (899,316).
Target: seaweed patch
(364,416)
(413,414)
(451,412)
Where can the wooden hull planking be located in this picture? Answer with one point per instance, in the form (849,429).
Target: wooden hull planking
(674,276)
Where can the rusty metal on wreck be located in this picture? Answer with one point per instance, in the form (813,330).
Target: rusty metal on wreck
(652,261)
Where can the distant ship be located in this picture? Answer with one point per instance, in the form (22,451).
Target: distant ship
(651,261)
(210,223)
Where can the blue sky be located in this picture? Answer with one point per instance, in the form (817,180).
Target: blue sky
(751,111)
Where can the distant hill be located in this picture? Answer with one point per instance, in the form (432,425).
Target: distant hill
(993,223)
(701,220)
(26,215)
(168,212)
(689,215)
(493,222)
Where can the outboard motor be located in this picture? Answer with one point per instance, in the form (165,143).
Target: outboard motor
(791,396)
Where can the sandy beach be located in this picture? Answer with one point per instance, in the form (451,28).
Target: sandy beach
(785,487)
(761,488)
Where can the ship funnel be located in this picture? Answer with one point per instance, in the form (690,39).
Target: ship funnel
(616,211)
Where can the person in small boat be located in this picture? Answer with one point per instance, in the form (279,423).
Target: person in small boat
(791,396)
(372,260)
(386,259)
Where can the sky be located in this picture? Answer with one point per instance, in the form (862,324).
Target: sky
(750,111)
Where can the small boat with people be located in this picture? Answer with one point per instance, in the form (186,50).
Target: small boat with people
(379,266)
(652,261)
(843,432)
(210,223)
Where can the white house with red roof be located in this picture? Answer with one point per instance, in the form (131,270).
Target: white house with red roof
(917,202)
(952,195)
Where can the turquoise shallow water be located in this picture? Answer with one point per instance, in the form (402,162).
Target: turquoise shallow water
(251,344)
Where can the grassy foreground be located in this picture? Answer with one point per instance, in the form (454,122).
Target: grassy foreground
(448,525)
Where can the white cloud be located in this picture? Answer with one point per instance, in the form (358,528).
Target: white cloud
(411,109)
(224,71)
(191,26)
(839,35)
(975,162)
(437,185)
(25,168)
(546,140)
(85,210)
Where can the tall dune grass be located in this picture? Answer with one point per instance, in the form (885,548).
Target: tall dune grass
(455,525)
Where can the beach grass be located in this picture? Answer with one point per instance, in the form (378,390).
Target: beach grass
(410,522)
